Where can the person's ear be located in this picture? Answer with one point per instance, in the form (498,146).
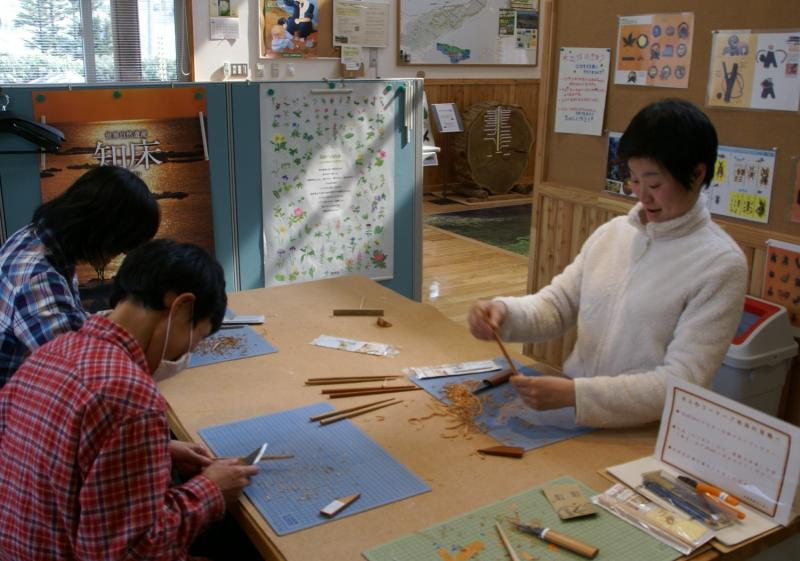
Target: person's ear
(182,301)
(699,174)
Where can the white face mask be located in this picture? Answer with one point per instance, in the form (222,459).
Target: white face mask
(169,368)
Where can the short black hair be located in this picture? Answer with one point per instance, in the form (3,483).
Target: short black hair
(161,266)
(281,21)
(676,134)
(106,212)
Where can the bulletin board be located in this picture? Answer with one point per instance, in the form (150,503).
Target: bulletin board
(579,161)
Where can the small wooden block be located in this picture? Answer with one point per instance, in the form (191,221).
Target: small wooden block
(382,322)
(336,506)
(359,312)
(508,451)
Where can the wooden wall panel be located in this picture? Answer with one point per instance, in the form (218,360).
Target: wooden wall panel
(522,92)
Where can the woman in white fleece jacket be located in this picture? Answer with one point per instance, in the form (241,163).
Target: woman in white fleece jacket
(658,292)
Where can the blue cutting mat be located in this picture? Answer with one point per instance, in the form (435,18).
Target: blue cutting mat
(330,462)
(506,418)
(230,344)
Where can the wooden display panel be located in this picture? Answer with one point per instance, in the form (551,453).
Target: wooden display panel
(579,161)
(523,92)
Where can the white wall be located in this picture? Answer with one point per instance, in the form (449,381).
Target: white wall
(209,56)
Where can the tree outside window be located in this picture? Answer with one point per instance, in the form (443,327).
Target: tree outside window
(77,41)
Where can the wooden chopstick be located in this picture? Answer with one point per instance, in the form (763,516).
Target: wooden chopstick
(503,349)
(357,413)
(506,543)
(348,380)
(359,312)
(376,377)
(505,354)
(356,393)
(340,411)
(364,388)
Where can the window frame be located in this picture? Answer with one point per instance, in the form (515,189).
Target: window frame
(127,52)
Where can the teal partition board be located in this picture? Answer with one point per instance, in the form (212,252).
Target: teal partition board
(19,173)
(246,159)
(233,135)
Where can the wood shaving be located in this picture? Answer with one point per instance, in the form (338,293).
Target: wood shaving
(461,411)
(221,345)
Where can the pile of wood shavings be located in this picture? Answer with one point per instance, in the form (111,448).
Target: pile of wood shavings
(221,345)
(462,408)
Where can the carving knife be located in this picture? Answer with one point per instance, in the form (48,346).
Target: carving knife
(492,381)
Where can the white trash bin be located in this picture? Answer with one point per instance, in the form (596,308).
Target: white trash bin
(755,366)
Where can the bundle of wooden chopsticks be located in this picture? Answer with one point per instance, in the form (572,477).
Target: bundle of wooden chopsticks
(340,415)
(335,393)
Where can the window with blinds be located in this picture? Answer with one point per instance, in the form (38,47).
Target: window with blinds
(92,41)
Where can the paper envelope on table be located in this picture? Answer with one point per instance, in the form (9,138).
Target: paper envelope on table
(719,441)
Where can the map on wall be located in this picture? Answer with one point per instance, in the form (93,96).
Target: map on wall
(467,32)
(327,181)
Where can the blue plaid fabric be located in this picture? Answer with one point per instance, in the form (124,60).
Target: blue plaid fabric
(38,296)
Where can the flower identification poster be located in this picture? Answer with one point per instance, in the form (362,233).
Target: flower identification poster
(327,181)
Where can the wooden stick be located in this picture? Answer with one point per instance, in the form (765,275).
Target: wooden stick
(334,507)
(506,543)
(505,353)
(502,348)
(371,392)
(350,380)
(340,411)
(277,457)
(363,388)
(374,377)
(359,312)
(357,413)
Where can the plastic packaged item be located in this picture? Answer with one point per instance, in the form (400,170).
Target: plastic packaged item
(683,534)
(353,346)
(685,498)
(452,369)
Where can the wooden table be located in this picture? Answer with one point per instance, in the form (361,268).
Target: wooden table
(460,479)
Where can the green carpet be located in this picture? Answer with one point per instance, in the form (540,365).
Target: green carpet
(505,227)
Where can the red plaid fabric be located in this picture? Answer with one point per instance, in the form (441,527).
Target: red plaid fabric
(84,459)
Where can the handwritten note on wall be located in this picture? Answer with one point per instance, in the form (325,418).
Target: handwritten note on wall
(582,88)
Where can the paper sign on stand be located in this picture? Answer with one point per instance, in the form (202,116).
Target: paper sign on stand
(722,442)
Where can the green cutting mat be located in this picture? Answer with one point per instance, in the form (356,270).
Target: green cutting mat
(616,539)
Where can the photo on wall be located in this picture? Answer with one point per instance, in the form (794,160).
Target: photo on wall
(617,175)
(288,28)
(156,133)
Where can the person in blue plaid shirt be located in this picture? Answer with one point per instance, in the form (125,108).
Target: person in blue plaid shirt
(106,212)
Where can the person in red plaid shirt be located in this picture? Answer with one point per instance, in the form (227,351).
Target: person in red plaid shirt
(85,449)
